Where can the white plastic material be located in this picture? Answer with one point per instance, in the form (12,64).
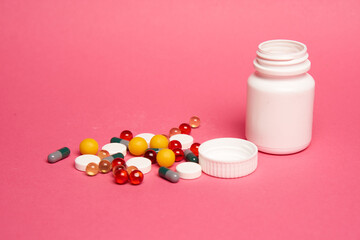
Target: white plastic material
(143,164)
(185,140)
(113,148)
(280,97)
(146,136)
(188,170)
(83,160)
(228,157)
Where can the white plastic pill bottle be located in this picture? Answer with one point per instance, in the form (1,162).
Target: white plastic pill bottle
(280,98)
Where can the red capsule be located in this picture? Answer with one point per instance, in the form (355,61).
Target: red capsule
(118,161)
(126,135)
(118,167)
(195,148)
(121,176)
(174,144)
(136,177)
(179,154)
(151,155)
(185,128)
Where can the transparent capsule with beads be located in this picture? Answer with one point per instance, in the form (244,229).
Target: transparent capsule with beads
(92,169)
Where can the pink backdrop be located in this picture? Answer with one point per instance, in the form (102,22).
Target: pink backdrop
(76,69)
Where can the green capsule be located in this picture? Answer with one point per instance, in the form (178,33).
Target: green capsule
(112,157)
(59,155)
(169,175)
(154,149)
(190,156)
(119,140)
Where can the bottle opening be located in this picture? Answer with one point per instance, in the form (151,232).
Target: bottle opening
(282,58)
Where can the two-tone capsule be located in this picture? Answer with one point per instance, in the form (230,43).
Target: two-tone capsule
(112,157)
(59,155)
(190,156)
(169,175)
(119,140)
(154,149)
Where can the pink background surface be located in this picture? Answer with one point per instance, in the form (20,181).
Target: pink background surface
(76,69)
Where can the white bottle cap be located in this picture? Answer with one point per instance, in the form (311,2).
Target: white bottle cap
(113,148)
(188,170)
(184,139)
(228,157)
(83,160)
(143,164)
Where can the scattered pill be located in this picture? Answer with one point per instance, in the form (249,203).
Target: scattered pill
(83,160)
(165,157)
(117,167)
(174,131)
(159,141)
(92,169)
(174,144)
(185,128)
(146,136)
(118,161)
(190,156)
(195,148)
(103,154)
(105,166)
(136,177)
(114,156)
(184,139)
(88,146)
(194,122)
(121,176)
(126,135)
(119,140)
(138,146)
(130,169)
(169,175)
(113,148)
(142,163)
(58,155)
(188,170)
(154,149)
(151,155)
(179,154)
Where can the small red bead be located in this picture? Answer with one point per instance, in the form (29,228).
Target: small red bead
(118,167)
(179,154)
(185,128)
(174,144)
(136,177)
(151,155)
(126,135)
(118,161)
(195,148)
(121,176)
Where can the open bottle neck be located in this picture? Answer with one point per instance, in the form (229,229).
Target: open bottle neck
(282,58)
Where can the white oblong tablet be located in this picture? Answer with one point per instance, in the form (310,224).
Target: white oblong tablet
(146,136)
(113,148)
(143,164)
(185,140)
(83,160)
(189,170)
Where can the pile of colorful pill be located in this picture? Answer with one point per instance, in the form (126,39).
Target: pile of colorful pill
(146,149)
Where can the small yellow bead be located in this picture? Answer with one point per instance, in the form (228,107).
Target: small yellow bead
(88,146)
(165,157)
(137,146)
(159,141)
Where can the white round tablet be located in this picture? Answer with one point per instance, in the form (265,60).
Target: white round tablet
(184,139)
(146,136)
(83,160)
(143,164)
(113,148)
(189,170)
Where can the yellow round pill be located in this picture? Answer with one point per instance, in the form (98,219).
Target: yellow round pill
(88,146)
(165,157)
(137,146)
(159,141)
